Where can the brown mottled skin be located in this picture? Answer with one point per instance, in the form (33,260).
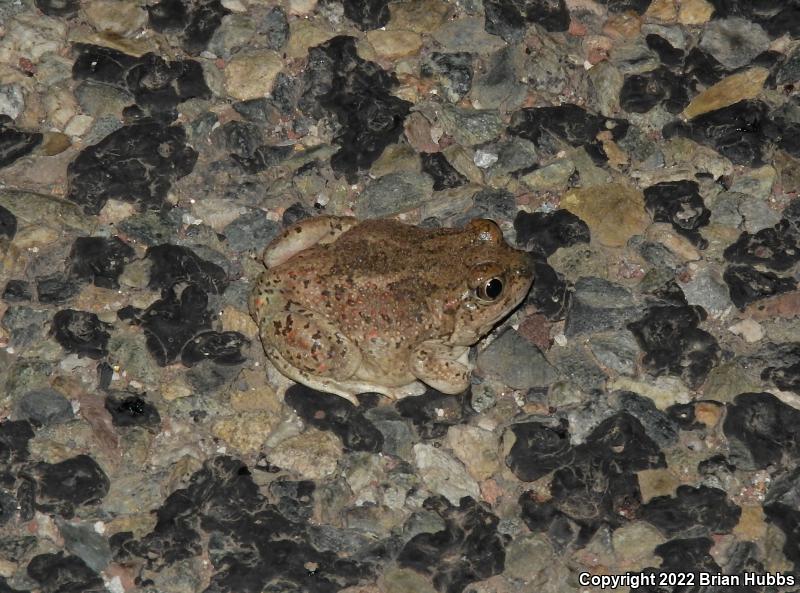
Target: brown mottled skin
(349,307)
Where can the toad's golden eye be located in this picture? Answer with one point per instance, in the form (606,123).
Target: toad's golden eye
(490,290)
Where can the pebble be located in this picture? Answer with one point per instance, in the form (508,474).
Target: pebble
(44,406)
(633,543)
(664,11)
(248,431)
(484,159)
(394,44)
(444,475)
(236,32)
(500,86)
(394,193)
(706,288)
(476,449)
(115,17)
(748,329)
(304,34)
(468,127)
(313,454)
(617,352)
(468,35)
(516,362)
(12,100)
(734,41)
(531,560)
(552,177)
(88,545)
(614,212)
(729,90)
(401,580)
(758,184)
(420,16)
(695,12)
(275,27)
(78,125)
(250,74)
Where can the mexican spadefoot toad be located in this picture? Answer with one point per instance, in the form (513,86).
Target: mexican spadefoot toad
(350,307)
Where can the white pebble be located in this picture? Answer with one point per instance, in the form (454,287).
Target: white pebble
(484,158)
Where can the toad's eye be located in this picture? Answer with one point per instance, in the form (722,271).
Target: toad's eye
(490,290)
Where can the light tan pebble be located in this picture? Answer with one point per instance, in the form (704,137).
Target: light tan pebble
(395,158)
(421,16)
(235,320)
(554,176)
(662,232)
(78,125)
(617,157)
(234,5)
(662,11)
(313,454)
(394,44)
(137,275)
(251,74)
(60,106)
(462,160)
(115,211)
(7,568)
(102,301)
(657,482)
(748,329)
(54,143)
(33,237)
(695,12)
(614,211)
(136,46)
(476,449)
(731,89)
(634,543)
(254,399)
(251,392)
(245,431)
(117,17)
(664,391)
(403,580)
(172,390)
(752,524)
(301,7)
(467,34)
(303,35)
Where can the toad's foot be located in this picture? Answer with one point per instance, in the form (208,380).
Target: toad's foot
(442,367)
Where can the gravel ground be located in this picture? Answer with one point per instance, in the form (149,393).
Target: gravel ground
(640,412)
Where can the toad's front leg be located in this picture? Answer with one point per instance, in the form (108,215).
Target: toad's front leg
(442,367)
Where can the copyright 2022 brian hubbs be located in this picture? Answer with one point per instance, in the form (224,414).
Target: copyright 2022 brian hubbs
(634,580)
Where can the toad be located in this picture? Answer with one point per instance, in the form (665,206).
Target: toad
(349,307)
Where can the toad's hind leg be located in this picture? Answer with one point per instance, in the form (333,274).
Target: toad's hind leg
(442,367)
(307,347)
(304,234)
